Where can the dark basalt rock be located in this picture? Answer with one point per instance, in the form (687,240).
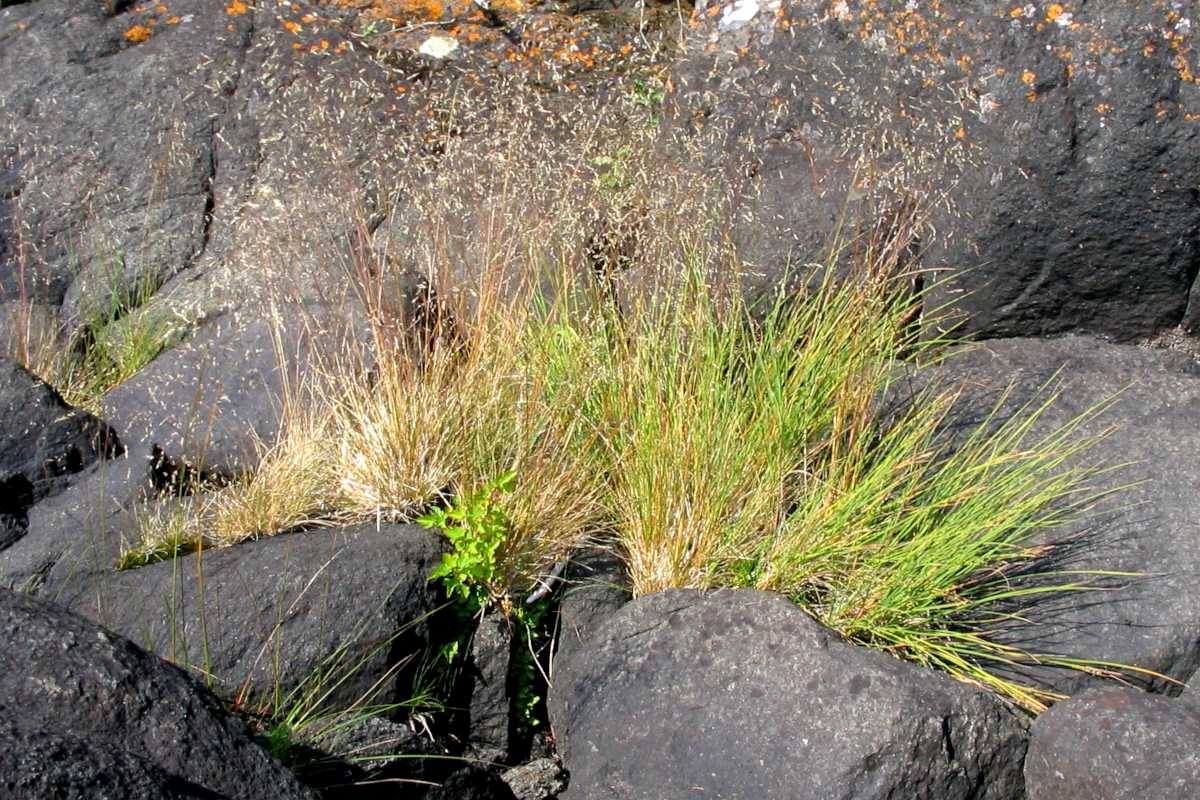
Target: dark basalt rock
(595,590)
(1053,146)
(471,783)
(83,529)
(1145,527)
(1115,743)
(43,441)
(108,176)
(492,734)
(268,614)
(85,713)
(742,695)
(537,780)
(213,401)
(40,764)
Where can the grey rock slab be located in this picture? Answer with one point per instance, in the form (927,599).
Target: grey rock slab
(1115,744)
(215,400)
(740,694)
(1147,526)
(43,440)
(1190,697)
(267,614)
(68,688)
(312,151)
(82,529)
(595,590)
(111,144)
(1054,159)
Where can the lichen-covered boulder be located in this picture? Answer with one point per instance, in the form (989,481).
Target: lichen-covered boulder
(1048,150)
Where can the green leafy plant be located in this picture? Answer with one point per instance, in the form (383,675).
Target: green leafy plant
(476,526)
(648,94)
(532,637)
(614,173)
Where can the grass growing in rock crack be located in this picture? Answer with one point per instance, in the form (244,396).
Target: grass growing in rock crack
(754,455)
(721,448)
(639,398)
(165,531)
(315,736)
(116,339)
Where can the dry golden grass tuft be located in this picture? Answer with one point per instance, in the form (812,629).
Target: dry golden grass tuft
(294,485)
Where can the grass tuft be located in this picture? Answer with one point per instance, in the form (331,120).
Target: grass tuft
(293,485)
(591,337)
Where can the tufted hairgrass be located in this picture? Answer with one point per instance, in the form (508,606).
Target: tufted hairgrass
(717,444)
(116,340)
(640,399)
(754,450)
(487,394)
(293,485)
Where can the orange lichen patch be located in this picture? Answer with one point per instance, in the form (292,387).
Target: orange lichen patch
(236,8)
(1103,108)
(172,20)
(291,25)
(1184,69)
(1028,77)
(1017,12)
(160,9)
(1054,11)
(137,34)
(402,12)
